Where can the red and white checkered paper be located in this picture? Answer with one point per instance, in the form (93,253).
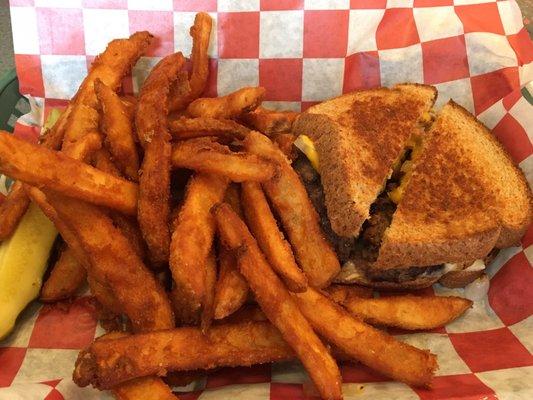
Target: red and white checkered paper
(302,51)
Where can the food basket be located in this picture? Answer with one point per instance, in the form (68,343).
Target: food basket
(346,45)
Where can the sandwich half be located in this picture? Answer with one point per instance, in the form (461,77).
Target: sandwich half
(445,197)
(359,137)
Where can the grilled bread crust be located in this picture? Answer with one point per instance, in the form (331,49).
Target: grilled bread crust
(358,137)
(465,197)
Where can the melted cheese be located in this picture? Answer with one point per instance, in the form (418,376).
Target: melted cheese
(306,146)
(415,145)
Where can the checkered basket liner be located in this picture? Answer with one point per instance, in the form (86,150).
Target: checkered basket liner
(302,51)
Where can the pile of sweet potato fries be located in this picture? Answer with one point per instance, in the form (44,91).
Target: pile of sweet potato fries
(196,236)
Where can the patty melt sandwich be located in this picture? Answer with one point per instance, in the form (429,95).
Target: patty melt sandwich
(405,197)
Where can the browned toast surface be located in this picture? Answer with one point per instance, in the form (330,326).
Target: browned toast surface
(359,136)
(465,196)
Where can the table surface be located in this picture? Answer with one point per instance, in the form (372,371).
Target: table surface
(6,43)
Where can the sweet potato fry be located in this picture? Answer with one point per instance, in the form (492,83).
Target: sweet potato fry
(233,198)
(105,364)
(270,239)
(200,33)
(102,161)
(118,131)
(112,65)
(131,231)
(2,198)
(17,202)
(209,298)
(207,156)
(105,296)
(192,240)
(298,216)
(147,388)
(129,103)
(66,277)
(285,143)
(84,148)
(140,296)
(83,120)
(269,121)
(154,183)
(127,225)
(53,138)
(231,289)
(102,293)
(41,167)
(12,209)
(187,128)
(341,293)
(364,343)
(229,106)
(247,313)
(408,312)
(277,303)
(67,233)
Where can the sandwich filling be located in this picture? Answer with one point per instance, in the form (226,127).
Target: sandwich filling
(356,254)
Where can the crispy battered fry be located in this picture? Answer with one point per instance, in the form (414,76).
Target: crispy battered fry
(84,148)
(270,239)
(130,229)
(269,121)
(342,293)
(17,202)
(231,290)
(277,304)
(209,298)
(112,65)
(187,128)
(105,364)
(200,33)
(66,277)
(247,313)
(154,182)
(102,293)
(229,106)
(408,312)
(285,142)
(179,91)
(298,216)
(233,198)
(127,225)
(192,240)
(118,130)
(102,161)
(41,167)
(105,296)
(12,209)
(129,103)
(364,343)
(207,156)
(53,138)
(147,388)
(83,120)
(140,296)
(68,235)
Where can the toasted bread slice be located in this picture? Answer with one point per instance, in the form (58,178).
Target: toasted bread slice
(464,197)
(359,137)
